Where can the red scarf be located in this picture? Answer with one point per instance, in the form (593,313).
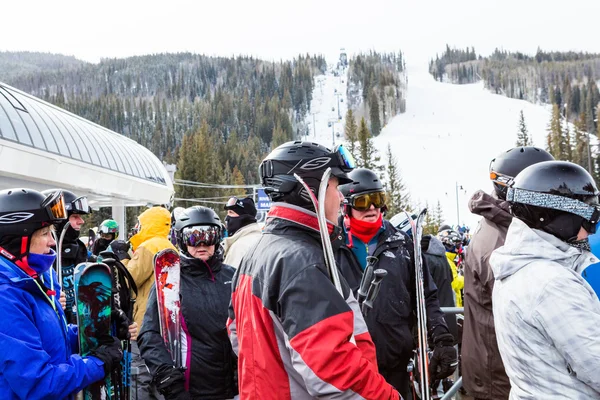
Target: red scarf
(363,230)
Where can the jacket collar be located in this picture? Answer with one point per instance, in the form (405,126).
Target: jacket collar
(295,215)
(242,232)
(524,245)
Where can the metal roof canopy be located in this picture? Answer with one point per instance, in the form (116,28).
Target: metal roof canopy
(43,146)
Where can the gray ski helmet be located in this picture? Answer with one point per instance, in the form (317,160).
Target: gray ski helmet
(558,197)
(363,181)
(308,160)
(509,164)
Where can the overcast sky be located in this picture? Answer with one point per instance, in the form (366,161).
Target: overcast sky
(273,29)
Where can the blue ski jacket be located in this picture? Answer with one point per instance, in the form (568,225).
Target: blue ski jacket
(36,344)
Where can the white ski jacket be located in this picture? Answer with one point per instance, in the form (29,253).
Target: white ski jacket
(238,245)
(547,317)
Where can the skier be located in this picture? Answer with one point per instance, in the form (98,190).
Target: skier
(547,317)
(452,241)
(242,228)
(73,250)
(481,366)
(39,350)
(151,237)
(296,336)
(205,292)
(108,231)
(390,322)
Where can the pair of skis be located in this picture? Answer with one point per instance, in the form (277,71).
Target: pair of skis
(419,367)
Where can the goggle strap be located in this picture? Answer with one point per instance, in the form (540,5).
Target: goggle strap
(547,200)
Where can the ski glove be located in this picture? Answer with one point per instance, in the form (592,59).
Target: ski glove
(444,360)
(122,323)
(109,351)
(171,384)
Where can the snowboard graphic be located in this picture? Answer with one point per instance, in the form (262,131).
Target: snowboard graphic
(93,291)
(166,274)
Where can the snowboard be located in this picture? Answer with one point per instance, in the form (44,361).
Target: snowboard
(93,294)
(419,367)
(166,275)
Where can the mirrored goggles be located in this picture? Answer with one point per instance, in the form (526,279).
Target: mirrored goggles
(54,204)
(79,206)
(362,202)
(345,157)
(207,235)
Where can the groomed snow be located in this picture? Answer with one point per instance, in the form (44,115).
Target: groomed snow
(448,135)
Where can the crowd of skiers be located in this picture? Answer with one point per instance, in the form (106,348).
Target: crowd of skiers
(262,318)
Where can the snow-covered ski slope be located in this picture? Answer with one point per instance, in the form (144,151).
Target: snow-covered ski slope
(447,136)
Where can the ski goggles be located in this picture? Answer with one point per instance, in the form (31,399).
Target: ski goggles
(362,202)
(78,206)
(234,201)
(207,235)
(54,205)
(500,179)
(345,158)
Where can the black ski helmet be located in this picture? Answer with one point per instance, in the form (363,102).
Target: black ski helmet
(558,197)
(195,216)
(23,211)
(308,160)
(451,239)
(363,181)
(509,164)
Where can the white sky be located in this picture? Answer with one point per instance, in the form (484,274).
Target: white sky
(276,29)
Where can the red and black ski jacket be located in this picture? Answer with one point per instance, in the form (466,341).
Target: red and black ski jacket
(294,333)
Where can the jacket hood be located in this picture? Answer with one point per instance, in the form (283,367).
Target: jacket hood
(491,208)
(154,222)
(524,245)
(436,247)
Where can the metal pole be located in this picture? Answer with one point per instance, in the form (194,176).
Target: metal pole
(314,127)
(589,154)
(453,390)
(332,135)
(457,209)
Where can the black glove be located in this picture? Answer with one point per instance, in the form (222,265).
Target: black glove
(171,384)
(425,242)
(122,323)
(109,351)
(444,360)
(121,249)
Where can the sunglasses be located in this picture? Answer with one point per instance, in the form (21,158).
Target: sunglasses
(54,204)
(500,179)
(362,202)
(207,235)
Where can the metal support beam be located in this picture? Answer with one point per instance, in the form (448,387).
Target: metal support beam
(118,214)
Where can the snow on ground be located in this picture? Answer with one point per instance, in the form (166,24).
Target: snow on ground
(446,138)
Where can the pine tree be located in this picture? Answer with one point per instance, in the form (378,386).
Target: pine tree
(369,156)
(581,141)
(523,138)
(398,197)
(556,139)
(438,216)
(278,136)
(374,114)
(350,131)
(429,223)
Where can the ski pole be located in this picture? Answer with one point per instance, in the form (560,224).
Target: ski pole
(365,282)
(378,276)
(59,255)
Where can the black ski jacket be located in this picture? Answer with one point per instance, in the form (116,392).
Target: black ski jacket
(73,253)
(434,254)
(392,319)
(205,292)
